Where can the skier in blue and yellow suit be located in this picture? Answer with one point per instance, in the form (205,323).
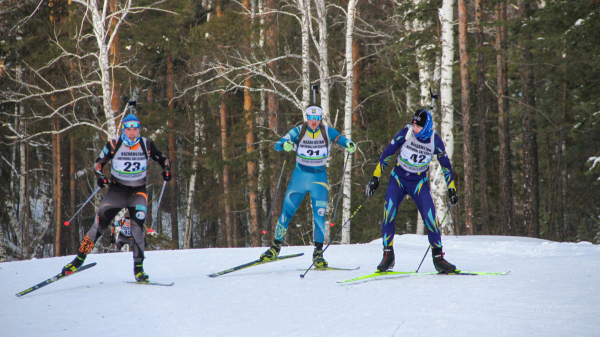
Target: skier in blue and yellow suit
(312,143)
(418,143)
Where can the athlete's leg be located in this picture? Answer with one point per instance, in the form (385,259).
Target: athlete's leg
(136,203)
(294,194)
(422,197)
(393,198)
(319,193)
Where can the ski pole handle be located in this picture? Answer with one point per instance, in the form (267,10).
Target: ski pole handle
(82,206)
(158,205)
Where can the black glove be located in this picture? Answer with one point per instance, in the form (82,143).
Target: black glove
(453,196)
(112,238)
(372,186)
(167,175)
(102,181)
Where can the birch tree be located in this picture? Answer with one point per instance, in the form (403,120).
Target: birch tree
(349,79)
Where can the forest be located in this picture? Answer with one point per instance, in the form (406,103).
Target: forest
(218,82)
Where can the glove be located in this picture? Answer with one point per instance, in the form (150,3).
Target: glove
(102,181)
(288,146)
(167,175)
(453,196)
(351,147)
(372,186)
(112,238)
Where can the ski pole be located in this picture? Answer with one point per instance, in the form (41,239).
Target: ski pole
(429,246)
(80,208)
(338,233)
(265,231)
(158,205)
(337,203)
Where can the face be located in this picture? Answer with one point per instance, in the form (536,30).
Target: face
(314,124)
(132,133)
(416,128)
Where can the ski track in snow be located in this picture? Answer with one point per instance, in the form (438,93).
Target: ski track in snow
(553,289)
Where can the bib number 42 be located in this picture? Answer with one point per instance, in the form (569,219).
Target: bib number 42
(418,158)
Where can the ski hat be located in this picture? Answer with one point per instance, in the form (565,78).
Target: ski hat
(423,118)
(314,110)
(130,121)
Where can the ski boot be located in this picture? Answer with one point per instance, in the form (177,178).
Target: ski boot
(388,261)
(140,275)
(272,253)
(440,264)
(73,265)
(318,256)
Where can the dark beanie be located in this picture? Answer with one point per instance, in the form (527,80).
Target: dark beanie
(420,117)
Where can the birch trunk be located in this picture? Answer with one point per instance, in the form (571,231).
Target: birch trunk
(465,77)
(446,16)
(347,203)
(56,184)
(322,47)
(304,6)
(192,187)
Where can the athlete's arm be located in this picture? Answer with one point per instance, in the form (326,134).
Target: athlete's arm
(389,151)
(292,135)
(107,153)
(440,151)
(158,156)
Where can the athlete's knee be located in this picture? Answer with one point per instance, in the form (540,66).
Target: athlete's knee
(140,214)
(319,209)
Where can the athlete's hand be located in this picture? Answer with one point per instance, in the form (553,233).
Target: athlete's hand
(288,146)
(453,196)
(102,181)
(351,147)
(372,186)
(112,238)
(167,175)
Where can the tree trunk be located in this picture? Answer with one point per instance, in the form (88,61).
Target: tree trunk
(556,203)
(115,51)
(72,194)
(531,202)
(506,196)
(172,154)
(273,109)
(482,113)
(192,187)
(304,6)
(228,225)
(347,203)
(27,256)
(56,183)
(466,118)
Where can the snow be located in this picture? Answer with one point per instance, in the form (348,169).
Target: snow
(552,290)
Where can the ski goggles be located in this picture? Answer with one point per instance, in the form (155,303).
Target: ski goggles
(314,118)
(131,124)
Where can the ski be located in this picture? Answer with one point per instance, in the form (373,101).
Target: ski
(54,279)
(252,264)
(331,268)
(152,283)
(396,274)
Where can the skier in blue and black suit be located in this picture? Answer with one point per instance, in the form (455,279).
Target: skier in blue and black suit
(418,143)
(312,143)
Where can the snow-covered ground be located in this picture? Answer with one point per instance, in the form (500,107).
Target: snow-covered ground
(553,289)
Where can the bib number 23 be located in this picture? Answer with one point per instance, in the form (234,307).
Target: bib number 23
(131,167)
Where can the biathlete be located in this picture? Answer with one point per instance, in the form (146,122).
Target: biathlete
(312,143)
(129,155)
(123,236)
(417,144)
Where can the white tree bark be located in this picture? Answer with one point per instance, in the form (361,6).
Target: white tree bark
(446,111)
(347,203)
(323,59)
(304,6)
(191,189)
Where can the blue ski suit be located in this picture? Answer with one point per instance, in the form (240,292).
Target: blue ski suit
(305,179)
(415,155)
